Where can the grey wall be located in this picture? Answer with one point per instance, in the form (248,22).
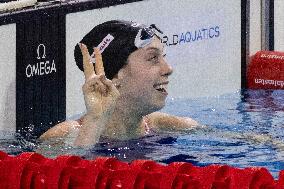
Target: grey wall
(204,67)
(279,25)
(8,77)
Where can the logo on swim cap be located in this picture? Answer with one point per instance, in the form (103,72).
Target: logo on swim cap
(102,46)
(105,43)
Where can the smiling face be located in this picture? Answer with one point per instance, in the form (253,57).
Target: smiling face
(144,78)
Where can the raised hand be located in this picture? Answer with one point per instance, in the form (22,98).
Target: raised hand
(100,94)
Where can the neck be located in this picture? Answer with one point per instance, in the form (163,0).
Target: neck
(126,121)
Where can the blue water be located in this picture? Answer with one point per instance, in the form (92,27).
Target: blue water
(240,129)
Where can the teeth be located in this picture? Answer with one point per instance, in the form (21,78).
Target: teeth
(161,87)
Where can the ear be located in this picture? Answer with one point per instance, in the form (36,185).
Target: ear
(118,78)
(115,79)
(120,75)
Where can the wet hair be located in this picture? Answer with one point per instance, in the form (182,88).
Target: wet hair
(116,54)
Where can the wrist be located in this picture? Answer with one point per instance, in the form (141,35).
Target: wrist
(90,132)
(90,118)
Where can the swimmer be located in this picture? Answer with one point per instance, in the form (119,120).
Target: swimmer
(124,92)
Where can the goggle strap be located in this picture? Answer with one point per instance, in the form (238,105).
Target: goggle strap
(156,28)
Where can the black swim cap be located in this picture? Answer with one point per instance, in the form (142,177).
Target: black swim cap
(126,38)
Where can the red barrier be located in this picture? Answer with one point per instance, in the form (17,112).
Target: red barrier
(266,70)
(33,171)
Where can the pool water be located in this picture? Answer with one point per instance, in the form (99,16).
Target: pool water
(241,129)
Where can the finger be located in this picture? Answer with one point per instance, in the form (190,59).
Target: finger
(87,65)
(101,88)
(99,66)
(94,85)
(94,90)
(110,86)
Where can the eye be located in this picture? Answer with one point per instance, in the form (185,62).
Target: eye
(153,58)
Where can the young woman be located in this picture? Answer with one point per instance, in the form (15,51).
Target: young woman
(123,94)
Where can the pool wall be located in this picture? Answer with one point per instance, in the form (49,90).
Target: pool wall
(207,44)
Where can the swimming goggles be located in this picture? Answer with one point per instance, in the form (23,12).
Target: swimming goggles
(145,35)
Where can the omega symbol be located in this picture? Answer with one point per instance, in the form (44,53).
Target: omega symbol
(41,46)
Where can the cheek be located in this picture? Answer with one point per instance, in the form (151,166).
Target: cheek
(140,86)
(147,73)
(143,77)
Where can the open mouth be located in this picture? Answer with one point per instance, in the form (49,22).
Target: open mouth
(161,87)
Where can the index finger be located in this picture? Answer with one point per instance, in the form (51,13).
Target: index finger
(87,65)
(99,66)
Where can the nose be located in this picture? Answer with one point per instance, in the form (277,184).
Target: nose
(167,70)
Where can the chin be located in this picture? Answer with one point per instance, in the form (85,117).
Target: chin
(158,105)
(152,104)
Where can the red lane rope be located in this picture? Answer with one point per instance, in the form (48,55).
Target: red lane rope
(33,171)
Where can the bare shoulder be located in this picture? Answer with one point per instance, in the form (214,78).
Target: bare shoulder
(60,130)
(163,121)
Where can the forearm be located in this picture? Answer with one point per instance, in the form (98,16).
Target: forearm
(90,132)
